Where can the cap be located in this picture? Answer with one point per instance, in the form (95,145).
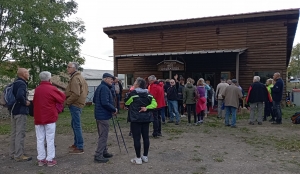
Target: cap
(234,81)
(105,75)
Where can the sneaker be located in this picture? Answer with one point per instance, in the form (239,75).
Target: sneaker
(144,159)
(176,123)
(51,163)
(170,121)
(72,147)
(136,160)
(259,123)
(23,158)
(76,151)
(108,155)
(251,123)
(42,162)
(100,159)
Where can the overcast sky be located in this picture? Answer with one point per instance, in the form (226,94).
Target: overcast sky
(97,14)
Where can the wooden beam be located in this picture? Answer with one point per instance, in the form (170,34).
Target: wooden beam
(237,66)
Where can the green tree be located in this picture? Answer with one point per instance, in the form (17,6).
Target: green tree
(294,66)
(44,38)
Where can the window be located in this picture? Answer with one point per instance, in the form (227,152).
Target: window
(264,75)
(129,80)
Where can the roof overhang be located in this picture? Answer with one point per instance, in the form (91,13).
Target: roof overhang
(238,50)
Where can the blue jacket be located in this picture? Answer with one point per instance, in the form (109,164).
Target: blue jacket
(104,102)
(20,93)
(277,90)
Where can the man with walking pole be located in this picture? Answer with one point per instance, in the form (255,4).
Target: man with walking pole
(104,110)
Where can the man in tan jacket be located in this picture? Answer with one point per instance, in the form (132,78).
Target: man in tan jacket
(76,93)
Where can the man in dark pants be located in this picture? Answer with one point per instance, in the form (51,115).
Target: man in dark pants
(157,91)
(277,92)
(104,108)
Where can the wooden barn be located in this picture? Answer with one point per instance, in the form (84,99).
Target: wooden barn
(230,46)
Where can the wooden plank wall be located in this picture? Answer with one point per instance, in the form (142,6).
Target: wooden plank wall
(266,42)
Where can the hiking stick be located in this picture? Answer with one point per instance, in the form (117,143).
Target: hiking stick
(116,132)
(121,134)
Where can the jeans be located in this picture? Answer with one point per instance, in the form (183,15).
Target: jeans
(139,129)
(45,131)
(156,122)
(277,111)
(258,106)
(76,126)
(162,113)
(103,128)
(118,98)
(173,106)
(232,110)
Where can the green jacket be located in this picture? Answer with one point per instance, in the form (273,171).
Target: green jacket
(269,89)
(189,94)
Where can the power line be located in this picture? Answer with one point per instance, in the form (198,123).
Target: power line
(97,57)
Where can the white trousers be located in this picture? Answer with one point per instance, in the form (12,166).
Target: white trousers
(45,131)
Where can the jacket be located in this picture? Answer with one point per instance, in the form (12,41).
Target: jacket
(232,95)
(157,91)
(21,95)
(180,91)
(166,86)
(258,93)
(77,90)
(277,90)
(269,87)
(135,100)
(220,89)
(104,103)
(189,94)
(45,99)
(172,93)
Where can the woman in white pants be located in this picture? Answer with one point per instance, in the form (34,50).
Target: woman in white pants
(47,103)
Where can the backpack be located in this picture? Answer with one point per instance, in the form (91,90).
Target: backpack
(296,118)
(7,98)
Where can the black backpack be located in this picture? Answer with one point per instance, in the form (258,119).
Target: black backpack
(296,118)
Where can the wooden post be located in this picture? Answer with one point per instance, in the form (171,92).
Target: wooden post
(237,66)
(170,72)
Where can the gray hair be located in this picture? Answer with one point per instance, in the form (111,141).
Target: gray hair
(45,76)
(152,77)
(256,78)
(75,65)
(140,82)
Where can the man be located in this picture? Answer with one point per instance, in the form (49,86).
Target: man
(156,90)
(220,89)
(118,90)
(104,108)
(172,97)
(46,98)
(277,91)
(210,97)
(19,112)
(76,93)
(257,94)
(231,96)
(229,82)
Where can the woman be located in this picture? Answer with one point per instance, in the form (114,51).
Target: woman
(268,104)
(189,100)
(140,103)
(201,103)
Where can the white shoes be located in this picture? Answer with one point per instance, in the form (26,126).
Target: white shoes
(144,159)
(139,160)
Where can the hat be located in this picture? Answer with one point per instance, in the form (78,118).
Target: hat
(105,75)
(234,81)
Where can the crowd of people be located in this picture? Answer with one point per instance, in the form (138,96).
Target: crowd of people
(149,100)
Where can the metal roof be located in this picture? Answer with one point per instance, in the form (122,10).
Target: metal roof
(238,50)
(204,20)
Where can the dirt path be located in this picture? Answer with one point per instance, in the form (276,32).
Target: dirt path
(209,148)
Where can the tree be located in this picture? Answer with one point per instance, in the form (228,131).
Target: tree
(43,39)
(294,66)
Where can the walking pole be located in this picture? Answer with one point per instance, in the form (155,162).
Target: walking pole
(121,134)
(116,132)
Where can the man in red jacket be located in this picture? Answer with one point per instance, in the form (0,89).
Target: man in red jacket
(45,111)
(157,91)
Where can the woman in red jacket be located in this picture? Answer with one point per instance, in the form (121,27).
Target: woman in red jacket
(46,101)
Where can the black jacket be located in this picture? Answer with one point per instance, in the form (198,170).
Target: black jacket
(137,99)
(172,93)
(257,93)
(21,93)
(277,90)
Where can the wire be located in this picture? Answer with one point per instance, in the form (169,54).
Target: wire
(97,57)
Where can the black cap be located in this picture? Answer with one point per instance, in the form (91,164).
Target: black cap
(105,75)
(234,81)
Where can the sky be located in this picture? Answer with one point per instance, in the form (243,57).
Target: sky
(97,14)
